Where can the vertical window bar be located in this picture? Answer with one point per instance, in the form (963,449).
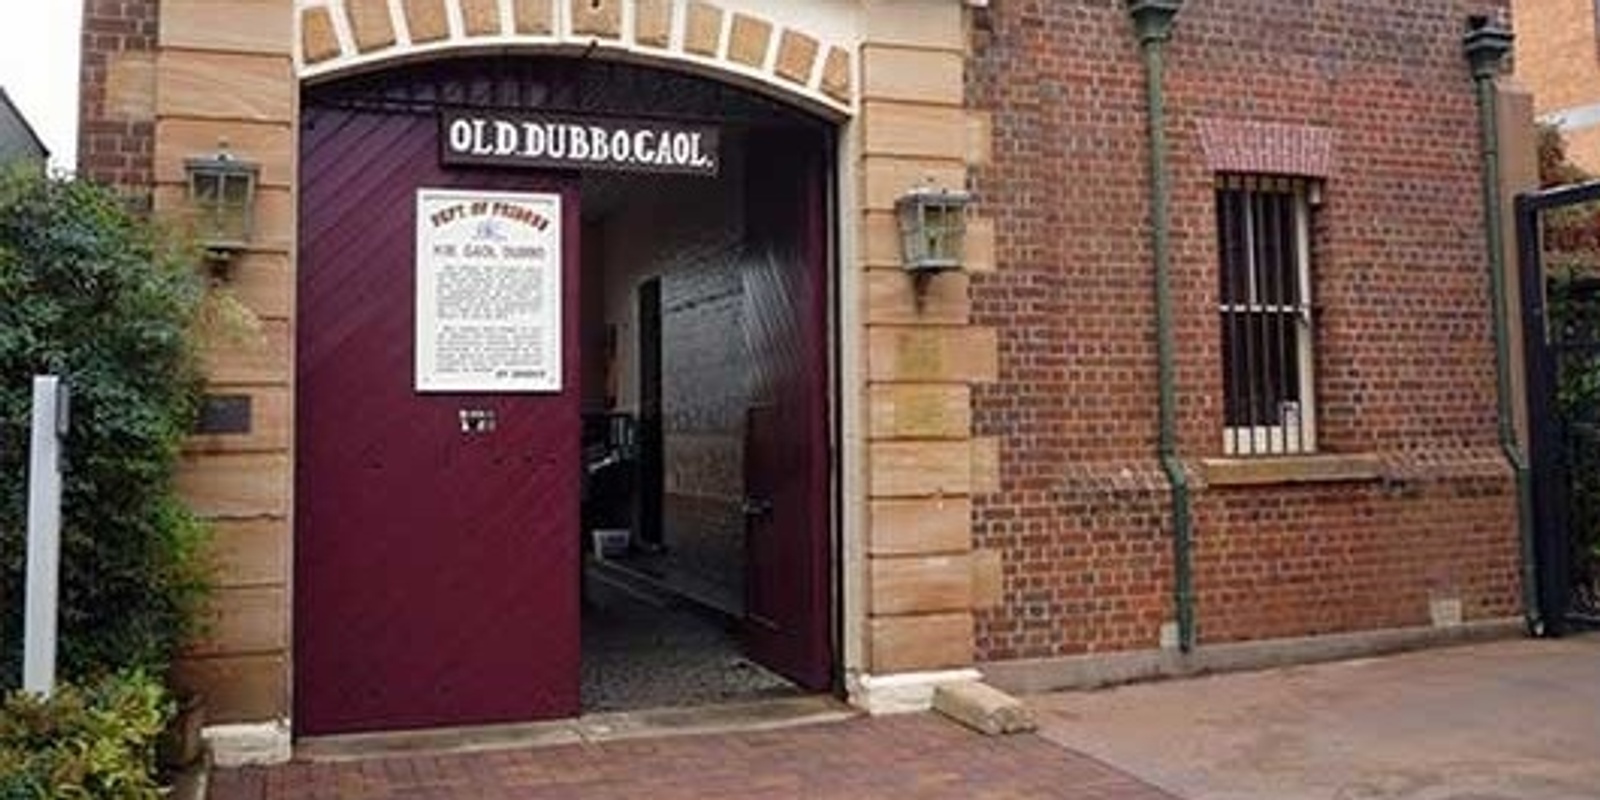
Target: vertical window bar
(1247,300)
(1279,330)
(1241,321)
(1266,384)
(1258,352)
(1265,261)
(1290,319)
(1271,369)
(1288,353)
(1291,277)
(1241,312)
(1272,330)
(1291,315)
(1241,299)
(1302,320)
(1262,324)
(1224,200)
(1239,259)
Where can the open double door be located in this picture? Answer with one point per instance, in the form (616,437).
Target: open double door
(436,533)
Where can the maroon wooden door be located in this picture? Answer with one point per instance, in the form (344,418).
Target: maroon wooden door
(787,516)
(435,570)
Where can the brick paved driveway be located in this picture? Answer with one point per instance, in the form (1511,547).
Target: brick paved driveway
(917,756)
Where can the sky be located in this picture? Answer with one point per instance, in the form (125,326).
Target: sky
(39,70)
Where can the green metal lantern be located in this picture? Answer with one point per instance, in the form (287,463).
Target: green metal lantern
(933,229)
(222,194)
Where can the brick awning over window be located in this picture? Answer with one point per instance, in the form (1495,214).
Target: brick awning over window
(1267,148)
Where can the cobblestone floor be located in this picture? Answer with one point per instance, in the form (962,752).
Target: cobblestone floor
(647,650)
(884,758)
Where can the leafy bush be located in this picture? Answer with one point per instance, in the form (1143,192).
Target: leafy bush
(95,742)
(90,292)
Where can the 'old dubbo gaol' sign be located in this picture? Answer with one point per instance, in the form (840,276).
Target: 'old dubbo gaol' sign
(566,142)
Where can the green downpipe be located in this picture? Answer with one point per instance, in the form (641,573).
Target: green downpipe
(1153,22)
(1487,45)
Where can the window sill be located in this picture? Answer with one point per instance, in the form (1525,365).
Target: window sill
(1319,468)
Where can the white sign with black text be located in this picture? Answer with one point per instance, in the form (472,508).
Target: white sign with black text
(488,291)
(553,141)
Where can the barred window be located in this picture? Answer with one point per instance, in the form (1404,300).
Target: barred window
(1264,239)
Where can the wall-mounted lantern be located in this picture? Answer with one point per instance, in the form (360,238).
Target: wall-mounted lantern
(933,229)
(222,193)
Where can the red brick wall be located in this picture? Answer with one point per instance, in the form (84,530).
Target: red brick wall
(116,140)
(1349,557)
(1405,360)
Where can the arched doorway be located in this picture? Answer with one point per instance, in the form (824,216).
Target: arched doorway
(445,511)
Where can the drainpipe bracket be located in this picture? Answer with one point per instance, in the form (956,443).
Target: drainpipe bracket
(1153,18)
(1487,44)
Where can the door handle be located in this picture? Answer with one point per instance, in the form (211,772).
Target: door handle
(756,507)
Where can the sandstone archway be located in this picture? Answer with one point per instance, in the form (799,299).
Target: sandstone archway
(798,52)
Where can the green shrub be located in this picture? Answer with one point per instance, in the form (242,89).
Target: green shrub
(95,294)
(95,742)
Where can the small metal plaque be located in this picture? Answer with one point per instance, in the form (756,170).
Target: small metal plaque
(477,420)
(224,414)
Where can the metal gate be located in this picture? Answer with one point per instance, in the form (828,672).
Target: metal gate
(1561,315)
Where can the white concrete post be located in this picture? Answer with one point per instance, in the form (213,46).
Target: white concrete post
(44,535)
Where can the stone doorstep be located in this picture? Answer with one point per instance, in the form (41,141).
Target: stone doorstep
(247,744)
(902,692)
(984,708)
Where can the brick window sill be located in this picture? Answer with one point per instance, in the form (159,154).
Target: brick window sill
(1320,468)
